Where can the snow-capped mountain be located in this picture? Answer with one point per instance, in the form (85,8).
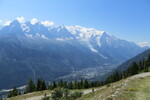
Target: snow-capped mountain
(30,49)
(94,39)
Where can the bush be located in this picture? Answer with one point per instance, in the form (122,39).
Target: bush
(45,97)
(75,95)
(57,94)
(63,94)
(109,99)
(108,85)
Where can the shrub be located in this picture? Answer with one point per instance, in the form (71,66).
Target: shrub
(45,97)
(75,95)
(57,94)
(108,85)
(63,94)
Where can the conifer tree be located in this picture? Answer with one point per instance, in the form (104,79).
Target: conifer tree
(75,85)
(65,85)
(54,85)
(148,61)
(43,85)
(70,85)
(60,83)
(38,85)
(13,93)
(81,84)
(30,87)
(86,84)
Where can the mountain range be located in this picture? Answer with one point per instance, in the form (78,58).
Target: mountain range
(32,50)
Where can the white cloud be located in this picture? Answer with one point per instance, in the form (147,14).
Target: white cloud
(143,44)
(34,21)
(47,23)
(7,23)
(0,21)
(20,19)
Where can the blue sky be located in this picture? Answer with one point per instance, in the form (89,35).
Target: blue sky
(125,19)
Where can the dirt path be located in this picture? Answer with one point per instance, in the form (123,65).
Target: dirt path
(141,75)
(89,91)
(35,97)
(137,76)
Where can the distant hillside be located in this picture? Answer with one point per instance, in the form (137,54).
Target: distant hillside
(136,59)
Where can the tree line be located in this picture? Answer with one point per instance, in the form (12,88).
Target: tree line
(32,86)
(135,68)
(80,84)
(40,85)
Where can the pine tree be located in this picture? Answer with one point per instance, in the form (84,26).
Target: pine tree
(148,61)
(81,84)
(141,66)
(54,85)
(43,85)
(70,85)
(134,68)
(30,87)
(86,84)
(65,85)
(13,93)
(60,83)
(38,85)
(75,85)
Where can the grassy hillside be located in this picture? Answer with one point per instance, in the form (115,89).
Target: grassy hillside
(133,88)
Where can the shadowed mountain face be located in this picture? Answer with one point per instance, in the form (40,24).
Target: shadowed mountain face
(139,58)
(33,51)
